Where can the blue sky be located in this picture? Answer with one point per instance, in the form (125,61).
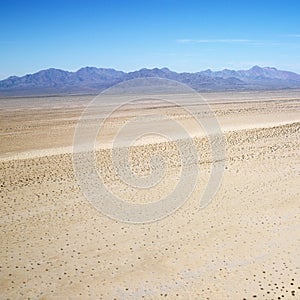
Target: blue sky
(128,35)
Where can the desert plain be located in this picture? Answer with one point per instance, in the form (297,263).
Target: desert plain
(243,245)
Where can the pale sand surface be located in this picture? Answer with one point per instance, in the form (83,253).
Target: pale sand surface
(244,245)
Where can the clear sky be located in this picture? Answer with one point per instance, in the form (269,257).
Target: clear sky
(131,34)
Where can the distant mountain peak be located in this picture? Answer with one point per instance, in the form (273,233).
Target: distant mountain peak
(87,68)
(256,67)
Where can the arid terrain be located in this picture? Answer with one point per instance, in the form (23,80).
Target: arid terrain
(243,245)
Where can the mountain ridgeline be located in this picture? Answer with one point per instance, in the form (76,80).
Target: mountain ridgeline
(91,80)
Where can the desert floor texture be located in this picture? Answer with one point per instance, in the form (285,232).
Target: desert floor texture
(243,245)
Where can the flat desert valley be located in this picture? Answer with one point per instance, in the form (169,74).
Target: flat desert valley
(244,245)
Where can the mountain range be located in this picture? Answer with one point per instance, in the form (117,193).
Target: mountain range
(91,80)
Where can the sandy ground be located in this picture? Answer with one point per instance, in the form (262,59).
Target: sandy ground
(244,245)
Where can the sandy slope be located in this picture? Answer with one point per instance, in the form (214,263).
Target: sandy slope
(244,245)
